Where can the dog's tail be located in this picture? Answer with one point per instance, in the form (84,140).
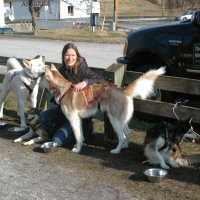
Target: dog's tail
(143,86)
(13,63)
(189,160)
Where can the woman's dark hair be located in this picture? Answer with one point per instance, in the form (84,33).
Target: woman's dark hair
(71,46)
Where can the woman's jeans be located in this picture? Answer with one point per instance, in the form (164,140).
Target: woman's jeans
(54,118)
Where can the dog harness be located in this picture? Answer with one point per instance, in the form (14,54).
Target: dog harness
(91,96)
(36,126)
(27,86)
(89,93)
(168,142)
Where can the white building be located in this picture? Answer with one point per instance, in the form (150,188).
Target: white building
(55,9)
(2,21)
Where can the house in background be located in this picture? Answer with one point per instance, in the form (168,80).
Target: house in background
(57,9)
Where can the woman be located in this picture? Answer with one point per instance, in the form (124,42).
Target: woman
(75,69)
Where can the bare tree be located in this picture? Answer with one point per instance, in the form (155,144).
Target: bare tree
(36,5)
(34,8)
(163,7)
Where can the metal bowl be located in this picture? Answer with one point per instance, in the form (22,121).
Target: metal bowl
(49,147)
(155,175)
(3,123)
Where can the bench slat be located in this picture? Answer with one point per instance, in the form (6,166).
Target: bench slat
(175,84)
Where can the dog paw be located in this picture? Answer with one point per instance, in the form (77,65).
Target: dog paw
(175,165)
(76,150)
(165,166)
(17,140)
(115,151)
(27,143)
(23,126)
(77,147)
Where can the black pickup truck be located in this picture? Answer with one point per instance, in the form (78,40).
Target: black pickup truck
(175,45)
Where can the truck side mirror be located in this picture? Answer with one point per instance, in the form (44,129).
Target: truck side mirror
(196,19)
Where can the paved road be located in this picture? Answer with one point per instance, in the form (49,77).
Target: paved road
(97,55)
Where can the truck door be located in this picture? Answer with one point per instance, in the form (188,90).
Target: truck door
(191,50)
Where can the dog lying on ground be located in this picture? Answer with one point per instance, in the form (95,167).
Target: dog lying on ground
(161,139)
(24,82)
(36,129)
(117,102)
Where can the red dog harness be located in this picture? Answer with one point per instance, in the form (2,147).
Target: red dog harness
(92,95)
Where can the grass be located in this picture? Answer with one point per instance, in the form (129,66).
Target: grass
(134,8)
(83,35)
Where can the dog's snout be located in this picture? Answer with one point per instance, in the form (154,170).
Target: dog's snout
(47,67)
(174,149)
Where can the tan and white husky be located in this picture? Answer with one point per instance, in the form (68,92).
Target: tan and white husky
(116,101)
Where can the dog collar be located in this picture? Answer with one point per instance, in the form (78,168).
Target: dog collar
(29,75)
(36,126)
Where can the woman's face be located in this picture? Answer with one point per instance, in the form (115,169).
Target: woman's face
(70,57)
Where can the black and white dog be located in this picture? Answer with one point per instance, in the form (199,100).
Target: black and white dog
(162,138)
(37,131)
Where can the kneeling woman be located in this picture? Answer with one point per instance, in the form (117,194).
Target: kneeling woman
(75,69)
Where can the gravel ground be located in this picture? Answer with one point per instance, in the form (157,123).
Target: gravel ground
(28,174)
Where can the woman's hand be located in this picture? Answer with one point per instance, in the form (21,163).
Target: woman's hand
(80,86)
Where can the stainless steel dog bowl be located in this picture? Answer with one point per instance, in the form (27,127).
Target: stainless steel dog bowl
(16,129)
(3,123)
(49,147)
(155,175)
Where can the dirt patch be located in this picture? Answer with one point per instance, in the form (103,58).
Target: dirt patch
(124,170)
(120,171)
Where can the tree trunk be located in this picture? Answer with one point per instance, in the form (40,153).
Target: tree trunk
(33,16)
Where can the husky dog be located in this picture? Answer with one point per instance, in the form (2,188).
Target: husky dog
(163,137)
(41,132)
(116,101)
(24,82)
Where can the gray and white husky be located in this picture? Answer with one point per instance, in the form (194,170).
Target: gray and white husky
(24,82)
(37,132)
(161,139)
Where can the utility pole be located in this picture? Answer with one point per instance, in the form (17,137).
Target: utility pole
(2,19)
(116,14)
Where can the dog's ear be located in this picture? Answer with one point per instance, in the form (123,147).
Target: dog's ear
(53,67)
(40,57)
(27,63)
(36,57)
